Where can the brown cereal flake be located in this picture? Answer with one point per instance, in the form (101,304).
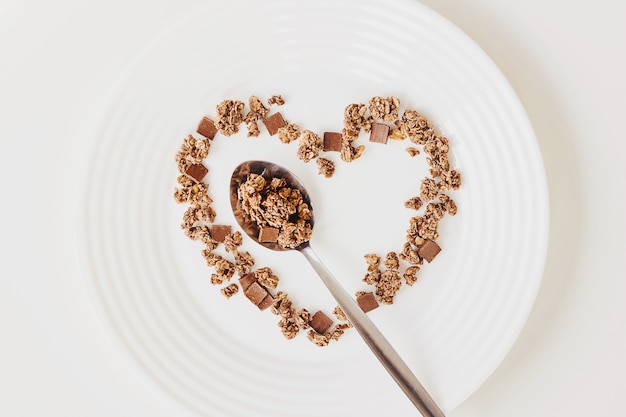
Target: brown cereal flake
(413,203)
(412,151)
(416,127)
(339,314)
(302,318)
(349,153)
(243,263)
(318,339)
(181,195)
(230,290)
(428,189)
(282,305)
(391,261)
(229,116)
(232,241)
(410,275)
(289,132)
(266,277)
(385,109)
(277,100)
(310,145)
(339,330)
(288,328)
(326,167)
(373,261)
(354,118)
(388,286)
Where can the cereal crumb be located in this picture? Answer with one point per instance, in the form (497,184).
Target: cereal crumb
(412,151)
(230,290)
(232,241)
(302,318)
(288,328)
(266,277)
(326,167)
(372,277)
(410,275)
(413,203)
(391,261)
(348,152)
(229,116)
(318,339)
(243,262)
(339,330)
(339,314)
(282,305)
(354,118)
(416,127)
(289,133)
(277,100)
(388,286)
(384,109)
(428,189)
(310,146)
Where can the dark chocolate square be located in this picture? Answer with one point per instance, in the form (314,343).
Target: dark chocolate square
(273,123)
(379,133)
(196,172)
(255,293)
(320,322)
(246,281)
(268,234)
(367,301)
(219,232)
(207,128)
(332,141)
(266,302)
(429,250)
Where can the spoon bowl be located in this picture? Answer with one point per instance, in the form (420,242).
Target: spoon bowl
(372,336)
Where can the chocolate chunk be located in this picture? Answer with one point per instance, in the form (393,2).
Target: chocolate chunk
(255,293)
(379,133)
(320,322)
(207,128)
(266,302)
(268,234)
(196,172)
(246,281)
(219,232)
(273,123)
(332,141)
(429,250)
(367,301)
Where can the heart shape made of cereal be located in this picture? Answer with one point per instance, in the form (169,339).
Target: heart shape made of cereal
(281,214)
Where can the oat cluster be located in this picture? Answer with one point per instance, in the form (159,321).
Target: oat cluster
(282,215)
(277,209)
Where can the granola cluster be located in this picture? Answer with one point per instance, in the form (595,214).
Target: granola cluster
(277,209)
(283,216)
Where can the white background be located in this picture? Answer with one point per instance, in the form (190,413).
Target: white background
(566,61)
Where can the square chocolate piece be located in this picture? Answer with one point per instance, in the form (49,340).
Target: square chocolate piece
(255,293)
(379,133)
(273,123)
(219,232)
(320,322)
(332,141)
(246,281)
(367,301)
(266,302)
(429,250)
(268,234)
(196,172)
(207,128)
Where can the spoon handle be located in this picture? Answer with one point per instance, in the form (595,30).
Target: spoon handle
(381,347)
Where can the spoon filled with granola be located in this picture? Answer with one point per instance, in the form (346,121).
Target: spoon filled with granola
(274,209)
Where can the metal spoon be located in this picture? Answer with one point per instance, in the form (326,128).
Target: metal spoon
(383,350)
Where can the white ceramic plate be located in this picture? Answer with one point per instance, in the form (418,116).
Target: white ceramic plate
(214,356)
